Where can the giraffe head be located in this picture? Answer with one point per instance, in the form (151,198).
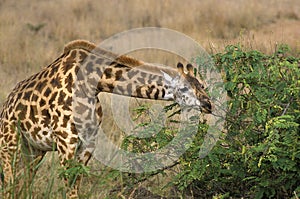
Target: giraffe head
(186,90)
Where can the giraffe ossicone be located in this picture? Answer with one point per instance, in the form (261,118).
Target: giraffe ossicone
(58,109)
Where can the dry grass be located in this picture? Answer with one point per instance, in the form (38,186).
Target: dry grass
(33,33)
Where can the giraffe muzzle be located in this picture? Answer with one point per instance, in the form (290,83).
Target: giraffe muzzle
(206,107)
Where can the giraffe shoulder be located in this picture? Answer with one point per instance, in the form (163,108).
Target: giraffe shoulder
(91,47)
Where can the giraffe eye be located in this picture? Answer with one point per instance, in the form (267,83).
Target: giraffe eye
(200,86)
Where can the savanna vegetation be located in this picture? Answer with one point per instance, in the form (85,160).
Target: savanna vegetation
(254,44)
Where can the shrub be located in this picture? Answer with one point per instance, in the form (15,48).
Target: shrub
(259,156)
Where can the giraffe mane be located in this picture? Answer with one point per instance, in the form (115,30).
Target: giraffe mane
(91,47)
(83,44)
(129,61)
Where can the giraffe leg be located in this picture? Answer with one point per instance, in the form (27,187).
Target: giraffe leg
(5,161)
(14,166)
(7,173)
(9,155)
(86,143)
(83,155)
(66,146)
(31,163)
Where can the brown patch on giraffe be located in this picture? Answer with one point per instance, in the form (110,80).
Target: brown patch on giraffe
(139,92)
(47,92)
(33,135)
(89,67)
(129,88)
(141,80)
(39,137)
(66,119)
(99,61)
(46,116)
(56,82)
(27,95)
(53,99)
(68,102)
(70,156)
(156,94)
(132,73)
(68,64)
(45,133)
(62,134)
(163,93)
(46,73)
(22,111)
(111,87)
(61,98)
(118,75)
(33,111)
(42,102)
(69,82)
(41,85)
(54,121)
(62,142)
(27,125)
(82,56)
(73,140)
(80,75)
(53,71)
(108,73)
(81,108)
(120,89)
(73,129)
(149,91)
(60,148)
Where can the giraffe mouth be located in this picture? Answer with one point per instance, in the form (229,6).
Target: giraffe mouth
(206,110)
(206,107)
(203,109)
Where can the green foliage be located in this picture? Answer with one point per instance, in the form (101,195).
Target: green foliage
(72,171)
(260,154)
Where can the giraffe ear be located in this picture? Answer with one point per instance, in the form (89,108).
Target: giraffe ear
(190,69)
(180,68)
(167,77)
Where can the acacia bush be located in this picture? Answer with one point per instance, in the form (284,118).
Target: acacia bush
(259,156)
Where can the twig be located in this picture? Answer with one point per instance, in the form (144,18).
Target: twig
(287,106)
(296,196)
(152,174)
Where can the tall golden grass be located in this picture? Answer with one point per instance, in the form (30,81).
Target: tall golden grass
(33,33)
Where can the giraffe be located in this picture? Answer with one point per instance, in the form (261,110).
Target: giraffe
(58,108)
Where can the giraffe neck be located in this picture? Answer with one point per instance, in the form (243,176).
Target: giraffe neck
(125,76)
(146,81)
